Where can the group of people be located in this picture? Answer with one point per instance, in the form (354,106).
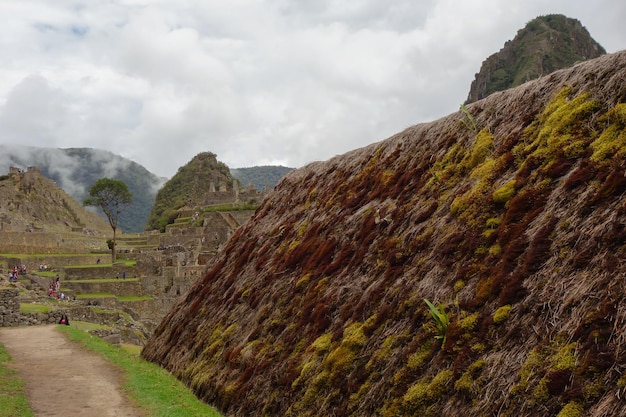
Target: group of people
(54,290)
(15,273)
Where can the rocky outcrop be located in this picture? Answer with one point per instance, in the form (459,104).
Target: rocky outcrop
(546,44)
(512,224)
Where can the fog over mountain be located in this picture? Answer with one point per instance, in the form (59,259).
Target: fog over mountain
(75,170)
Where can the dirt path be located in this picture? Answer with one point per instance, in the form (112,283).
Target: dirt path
(61,378)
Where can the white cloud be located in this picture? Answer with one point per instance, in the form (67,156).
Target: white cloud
(254,81)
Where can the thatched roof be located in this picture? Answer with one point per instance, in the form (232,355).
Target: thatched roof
(510,216)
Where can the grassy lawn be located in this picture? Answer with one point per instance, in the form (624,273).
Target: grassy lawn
(103,280)
(118,262)
(229,207)
(45,273)
(153,388)
(95,295)
(13,401)
(124,298)
(35,308)
(88,326)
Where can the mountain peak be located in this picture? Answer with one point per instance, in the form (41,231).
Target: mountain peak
(545,44)
(190,188)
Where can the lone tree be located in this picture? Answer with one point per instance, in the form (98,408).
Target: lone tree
(110,195)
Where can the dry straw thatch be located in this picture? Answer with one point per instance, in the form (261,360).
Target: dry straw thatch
(315,305)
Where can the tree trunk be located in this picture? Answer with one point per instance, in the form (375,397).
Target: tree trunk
(113,248)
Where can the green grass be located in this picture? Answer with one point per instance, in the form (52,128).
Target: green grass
(118,261)
(103,280)
(95,295)
(229,207)
(124,298)
(88,326)
(35,308)
(132,349)
(13,401)
(45,273)
(152,387)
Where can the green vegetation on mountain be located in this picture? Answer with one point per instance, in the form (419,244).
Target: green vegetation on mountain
(515,232)
(261,177)
(546,44)
(189,189)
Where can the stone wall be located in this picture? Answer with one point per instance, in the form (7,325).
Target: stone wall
(53,243)
(101,272)
(10,315)
(54,262)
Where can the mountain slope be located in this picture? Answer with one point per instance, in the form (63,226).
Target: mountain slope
(189,188)
(514,226)
(77,169)
(32,202)
(261,177)
(546,44)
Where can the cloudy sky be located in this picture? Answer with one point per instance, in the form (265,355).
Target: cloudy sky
(257,82)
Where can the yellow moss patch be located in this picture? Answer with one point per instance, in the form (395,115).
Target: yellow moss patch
(504,193)
(478,347)
(571,409)
(230,330)
(501,314)
(464,383)
(339,359)
(565,358)
(554,129)
(493,223)
(533,363)
(386,176)
(540,393)
(459,285)
(483,147)
(382,355)
(495,250)
(303,282)
(353,336)
(422,393)
(322,343)
(417,359)
(468,323)
(611,144)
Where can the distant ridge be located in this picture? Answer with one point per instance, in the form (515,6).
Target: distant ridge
(75,170)
(545,44)
(261,177)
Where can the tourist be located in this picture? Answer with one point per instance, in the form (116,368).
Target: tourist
(64,320)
